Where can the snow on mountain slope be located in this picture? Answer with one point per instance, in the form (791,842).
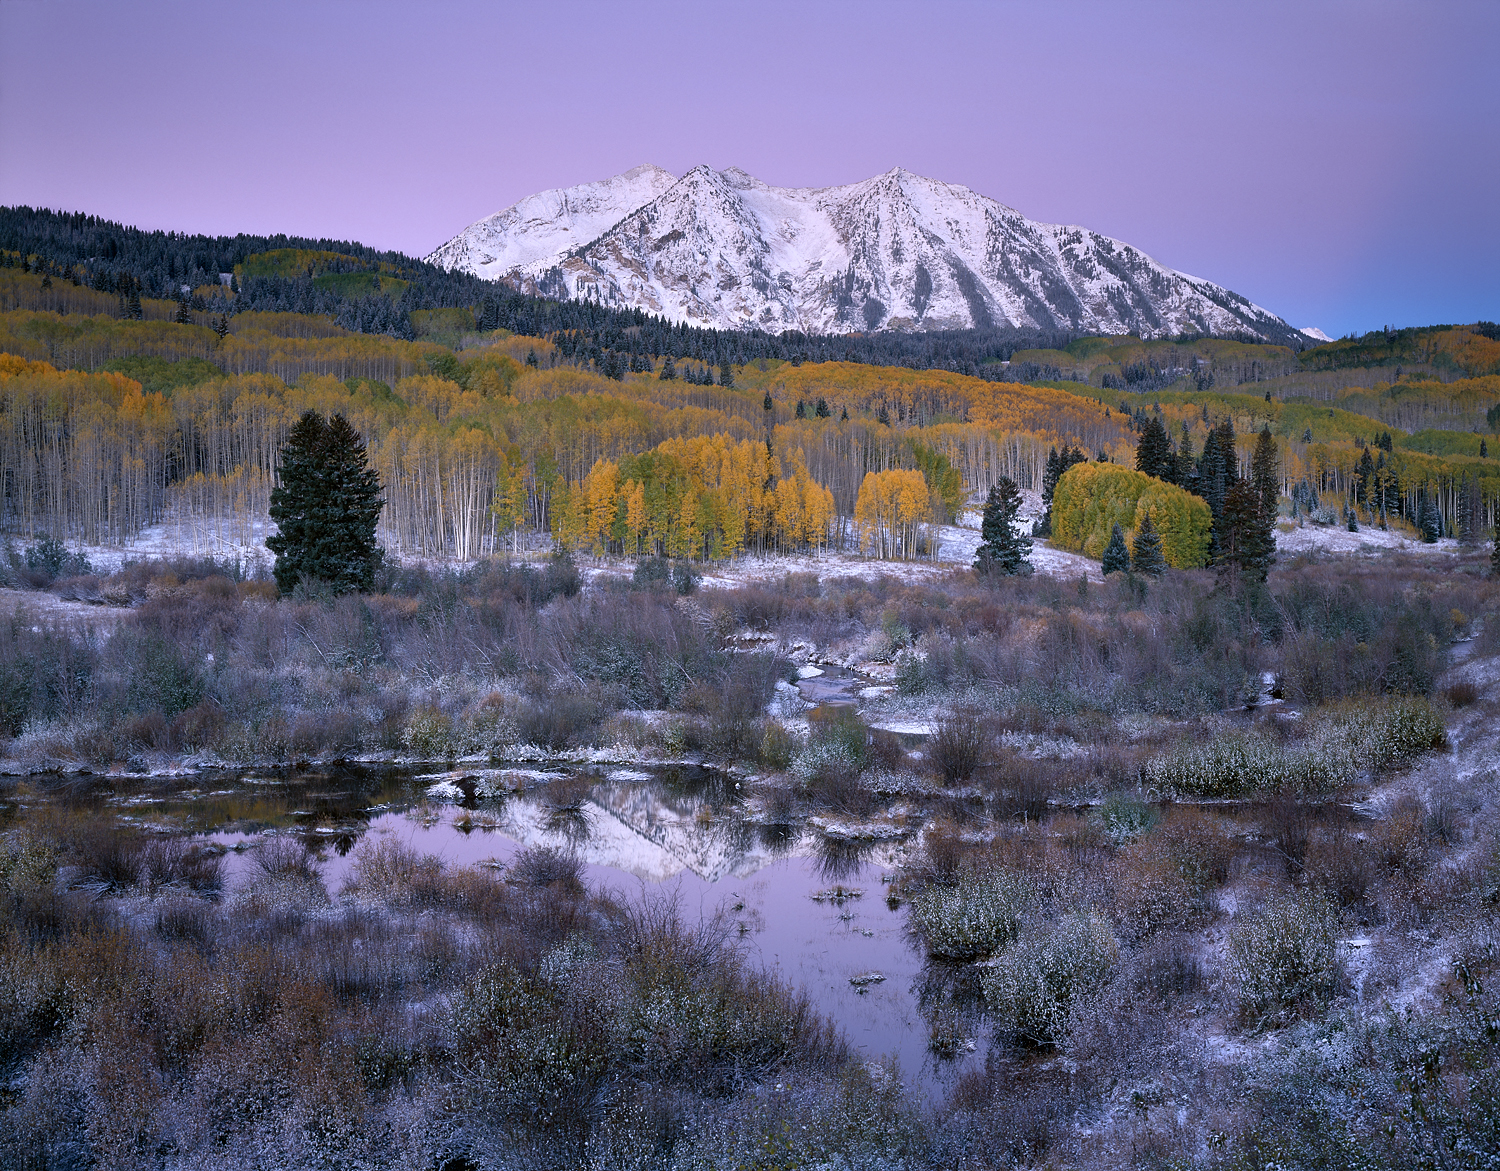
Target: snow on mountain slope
(899,251)
(1315,333)
(543,227)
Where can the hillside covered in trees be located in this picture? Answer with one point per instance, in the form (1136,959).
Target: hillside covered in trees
(142,387)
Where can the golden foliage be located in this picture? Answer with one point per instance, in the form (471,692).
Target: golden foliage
(1091,498)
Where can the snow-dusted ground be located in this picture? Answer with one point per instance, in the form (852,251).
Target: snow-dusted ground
(186,539)
(44,606)
(957,543)
(1370,540)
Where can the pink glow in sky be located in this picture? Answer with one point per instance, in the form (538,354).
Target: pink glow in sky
(1334,162)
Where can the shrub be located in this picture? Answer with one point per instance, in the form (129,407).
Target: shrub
(1340,864)
(777,745)
(27,863)
(959,744)
(1285,959)
(544,866)
(429,734)
(106,854)
(975,917)
(1125,817)
(518,1049)
(1342,741)
(388,871)
(560,721)
(1149,894)
(1022,787)
(184,920)
(177,862)
(1035,982)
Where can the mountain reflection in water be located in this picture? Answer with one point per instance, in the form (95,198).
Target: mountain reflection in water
(678,832)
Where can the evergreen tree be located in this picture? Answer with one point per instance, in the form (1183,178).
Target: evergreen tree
(1153,454)
(726,375)
(1245,535)
(1002,550)
(1187,466)
(668,370)
(1484,449)
(1364,477)
(822,411)
(884,418)
(531,359)
(1429,520)
(844,415)
(1146,554)
(1116,555)
(1265,471)
(325,504)
(801,409)
(767,405)
(1057,464)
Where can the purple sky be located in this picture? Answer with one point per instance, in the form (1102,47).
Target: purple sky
(1334,162)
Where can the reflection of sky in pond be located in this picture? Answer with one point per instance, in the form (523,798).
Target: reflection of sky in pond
(673,832)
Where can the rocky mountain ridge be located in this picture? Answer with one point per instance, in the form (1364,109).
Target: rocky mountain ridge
(722,249)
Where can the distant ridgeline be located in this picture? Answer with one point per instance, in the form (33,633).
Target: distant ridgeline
(495,417)
(366,291)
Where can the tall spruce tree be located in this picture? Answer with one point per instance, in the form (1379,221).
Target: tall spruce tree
(1265,471)
(1245,534)
(1002,549)
(1145,552)
(325,505)
(1116,555)
(1058,462)
(1364,478)
(1153,454)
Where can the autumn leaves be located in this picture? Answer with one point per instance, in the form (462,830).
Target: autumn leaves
(702,497)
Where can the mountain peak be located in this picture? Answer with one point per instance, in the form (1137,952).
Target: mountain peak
(898,251)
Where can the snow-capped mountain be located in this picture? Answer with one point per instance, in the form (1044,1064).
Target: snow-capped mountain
(723,249)
(543,228)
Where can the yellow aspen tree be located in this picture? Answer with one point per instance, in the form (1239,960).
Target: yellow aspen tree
(635,512)
(601,495)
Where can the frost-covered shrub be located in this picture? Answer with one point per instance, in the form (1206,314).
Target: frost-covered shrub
(975,917)
(1385,734)
(385,870)
(513,1049)
(429,734)
(1125,817)
(777,745)
(1285,959)
(820,757)
(1232,763)
(27,863)
(1342,741)
(1034,983)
